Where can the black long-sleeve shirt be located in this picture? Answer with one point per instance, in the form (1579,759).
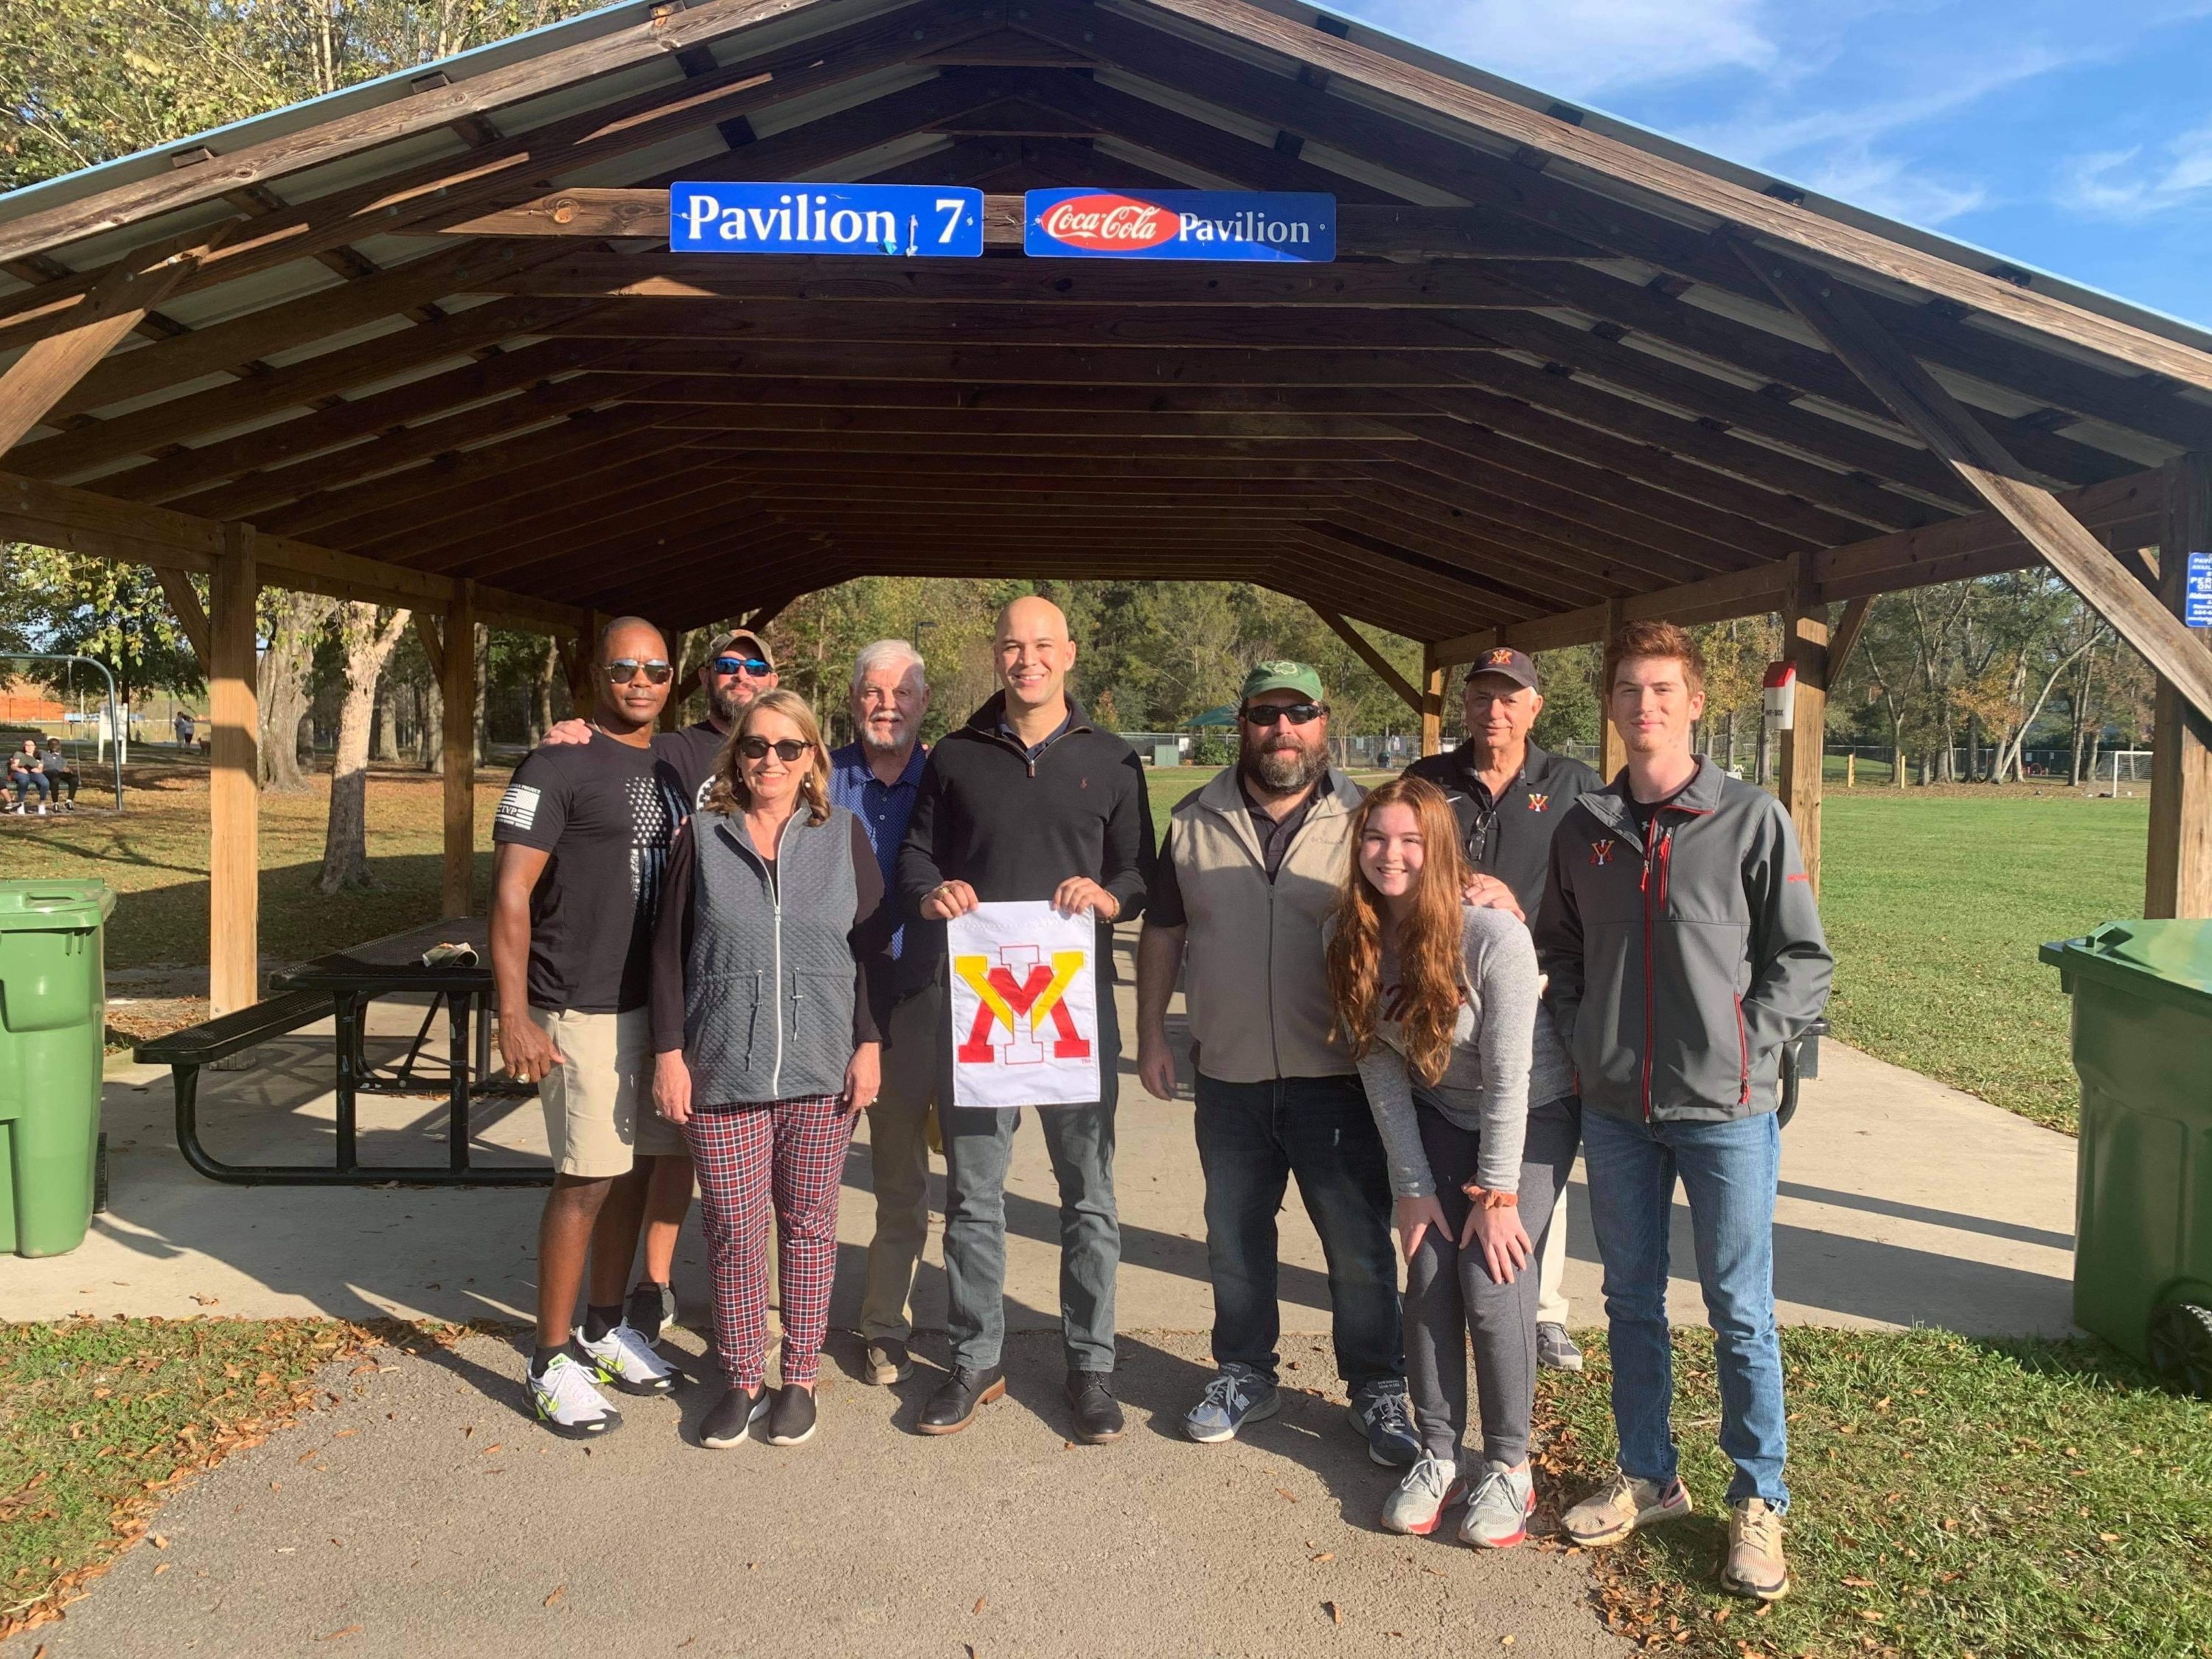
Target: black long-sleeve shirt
(874,921)
(1014,825)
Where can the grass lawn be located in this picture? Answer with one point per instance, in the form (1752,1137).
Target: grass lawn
(99,1419)
(1934,903)
(1948,1497)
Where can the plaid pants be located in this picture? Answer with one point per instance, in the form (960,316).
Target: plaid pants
(790,1154)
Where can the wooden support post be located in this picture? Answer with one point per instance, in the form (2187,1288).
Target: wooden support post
(2178,867)
(1805,642)
(234,781)
(457,683)
(1845,638)
(1433,701)
(672,712)
(1850,762)
(1611,751)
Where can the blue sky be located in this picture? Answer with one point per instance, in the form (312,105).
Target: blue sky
(2075,136)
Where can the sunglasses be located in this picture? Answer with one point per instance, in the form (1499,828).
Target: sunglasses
(786,749)
(1298,713)
(623,669)
(752,665)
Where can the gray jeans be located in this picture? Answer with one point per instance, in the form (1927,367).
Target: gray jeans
(979,1145)
(1451,1296)
(898,1156)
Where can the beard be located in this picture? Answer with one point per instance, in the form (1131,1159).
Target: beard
(730,701)
(883,740)
(1285,768)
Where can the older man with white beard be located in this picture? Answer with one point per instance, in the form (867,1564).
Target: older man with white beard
(1249,871)
(876,777)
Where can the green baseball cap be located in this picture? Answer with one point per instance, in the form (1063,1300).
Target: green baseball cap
(1281,675)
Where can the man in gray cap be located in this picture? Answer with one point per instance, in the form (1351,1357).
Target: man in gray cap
(1508,795)
(1249,871)
(737,669)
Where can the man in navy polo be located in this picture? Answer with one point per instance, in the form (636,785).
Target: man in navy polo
(876,777)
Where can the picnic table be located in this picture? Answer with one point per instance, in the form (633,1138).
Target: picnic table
(342,986)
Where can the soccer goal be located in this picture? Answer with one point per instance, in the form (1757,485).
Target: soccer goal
(2124,769)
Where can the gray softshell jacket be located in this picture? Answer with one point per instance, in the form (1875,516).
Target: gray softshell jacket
(1678,970)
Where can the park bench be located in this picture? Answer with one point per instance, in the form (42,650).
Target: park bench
(341,986)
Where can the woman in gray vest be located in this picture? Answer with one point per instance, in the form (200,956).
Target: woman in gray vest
(771,965)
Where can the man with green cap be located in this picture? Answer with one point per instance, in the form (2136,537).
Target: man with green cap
(1249,871)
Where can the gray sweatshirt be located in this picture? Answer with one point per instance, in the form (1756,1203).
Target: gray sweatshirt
(1503,1056)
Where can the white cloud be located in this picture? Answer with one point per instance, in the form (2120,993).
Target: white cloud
(1581,47)
(1892,186)
(2126,184)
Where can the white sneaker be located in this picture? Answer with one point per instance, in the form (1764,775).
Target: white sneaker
(624,1358)
(1497,1515)
(568,1404)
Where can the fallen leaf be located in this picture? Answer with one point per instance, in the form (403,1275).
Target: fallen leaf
(159,1541)
(308,1456)
(1287,1494)
(163,1568)
(342,1433)
(980,1602)
(340,1635)
(208,1301)
(365,1365)
(1870,1615)
(1335,1612)
(559,1591)
(489,1450)
(1326,1555)
(2108,1538)
(1505,1641)
(1860,1584)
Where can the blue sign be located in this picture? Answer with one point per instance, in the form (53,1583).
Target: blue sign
(904,221)
(2197,591)
(1261,225)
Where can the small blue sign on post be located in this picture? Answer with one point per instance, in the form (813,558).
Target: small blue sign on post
(905,222)
(2197,591)
(1265,227)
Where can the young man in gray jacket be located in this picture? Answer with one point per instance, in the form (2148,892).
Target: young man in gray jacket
(1684,948)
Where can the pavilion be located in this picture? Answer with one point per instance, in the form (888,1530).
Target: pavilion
(422,342)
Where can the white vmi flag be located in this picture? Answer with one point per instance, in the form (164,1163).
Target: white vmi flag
(1024,1007)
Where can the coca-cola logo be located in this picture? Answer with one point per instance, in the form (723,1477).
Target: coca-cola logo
(1109,224)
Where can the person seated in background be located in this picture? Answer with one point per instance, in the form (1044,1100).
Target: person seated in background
(27,777)
(61,773)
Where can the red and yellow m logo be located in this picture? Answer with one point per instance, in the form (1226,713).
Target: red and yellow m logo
(1034,997)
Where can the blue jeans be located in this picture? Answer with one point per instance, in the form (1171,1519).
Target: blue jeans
(1729,1171)
(979,1145)
(1252,1137)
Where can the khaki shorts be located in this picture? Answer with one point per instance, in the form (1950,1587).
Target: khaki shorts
(598,1106)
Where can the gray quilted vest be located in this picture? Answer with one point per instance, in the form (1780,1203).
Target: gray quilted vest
(767,989)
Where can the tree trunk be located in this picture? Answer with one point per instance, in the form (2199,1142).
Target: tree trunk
(345,839)
(541,691)
(383,735)
(430,727)
(483,687)
(296,621)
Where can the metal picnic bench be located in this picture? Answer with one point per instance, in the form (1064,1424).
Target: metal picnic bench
(342,986)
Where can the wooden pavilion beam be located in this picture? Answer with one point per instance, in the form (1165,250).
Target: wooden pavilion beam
(2177,868)
(449,184)
(82,521)
(1845,639)
(1980,544)
(1380,665)
(2059,539)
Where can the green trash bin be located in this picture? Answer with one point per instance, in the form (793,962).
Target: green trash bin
(2142,1046)
(53,1009)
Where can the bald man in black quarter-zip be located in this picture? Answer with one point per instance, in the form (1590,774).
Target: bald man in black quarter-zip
(1028,801)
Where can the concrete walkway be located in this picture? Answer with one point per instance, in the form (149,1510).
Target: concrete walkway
(422,1513)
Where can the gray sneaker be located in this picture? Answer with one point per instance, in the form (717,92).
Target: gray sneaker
(1431,1487)
(1380,1411)
(1237,1396)
(1497,1515)
(1556,1350)
(888,1361)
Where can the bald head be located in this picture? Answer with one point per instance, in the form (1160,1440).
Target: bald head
(1034,654)
(632,648)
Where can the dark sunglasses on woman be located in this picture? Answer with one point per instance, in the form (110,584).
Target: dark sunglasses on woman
(786,749)
(623,669)
(752,665)
(1298,713)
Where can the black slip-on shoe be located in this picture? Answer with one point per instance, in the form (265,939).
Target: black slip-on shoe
(790,1418)
(959,1397)
(730,1420)
(1097,1413)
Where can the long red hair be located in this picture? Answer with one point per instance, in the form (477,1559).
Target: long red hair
(1431,954)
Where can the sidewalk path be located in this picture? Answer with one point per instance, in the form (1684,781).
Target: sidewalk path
(422,1515)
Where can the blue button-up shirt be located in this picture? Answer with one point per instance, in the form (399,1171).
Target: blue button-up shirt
(883,808)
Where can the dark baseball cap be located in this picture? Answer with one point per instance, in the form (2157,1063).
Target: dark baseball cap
(1504,661)
(722,643)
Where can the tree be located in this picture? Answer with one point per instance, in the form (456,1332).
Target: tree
(293,624)
(367,645)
